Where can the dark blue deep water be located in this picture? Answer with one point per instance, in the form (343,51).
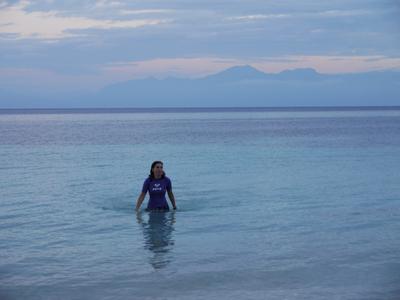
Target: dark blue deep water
(272,204)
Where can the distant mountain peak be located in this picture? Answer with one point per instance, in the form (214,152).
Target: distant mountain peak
(300,74)
(238,73)
(242,68)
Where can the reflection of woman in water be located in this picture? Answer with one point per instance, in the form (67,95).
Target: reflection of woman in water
(157,184)
(158,237)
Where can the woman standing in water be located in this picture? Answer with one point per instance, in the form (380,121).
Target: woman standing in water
(157,184)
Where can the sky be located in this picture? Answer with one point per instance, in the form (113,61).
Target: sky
(86,45)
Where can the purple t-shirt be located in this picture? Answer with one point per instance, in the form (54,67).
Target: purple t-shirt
(157,189)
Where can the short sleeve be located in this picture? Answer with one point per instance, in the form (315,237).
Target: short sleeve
(169,185)
(145,185)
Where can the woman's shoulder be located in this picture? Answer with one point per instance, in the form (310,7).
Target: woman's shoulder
(166,178)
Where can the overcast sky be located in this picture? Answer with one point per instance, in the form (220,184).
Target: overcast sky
(88,44)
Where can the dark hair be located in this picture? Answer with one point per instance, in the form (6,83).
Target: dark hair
(151,175)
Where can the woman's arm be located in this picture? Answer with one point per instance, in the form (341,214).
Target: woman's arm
(140,199)
(172,198)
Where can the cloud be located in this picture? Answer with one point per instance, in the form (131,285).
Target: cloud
(145,11)
(318,14)
(258,17)
(342,13)
(17,22)
(106,4)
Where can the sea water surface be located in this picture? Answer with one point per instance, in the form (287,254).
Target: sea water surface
(272,204)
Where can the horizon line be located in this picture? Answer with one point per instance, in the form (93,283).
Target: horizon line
(44,110)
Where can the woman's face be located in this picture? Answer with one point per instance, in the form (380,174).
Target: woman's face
(158,170)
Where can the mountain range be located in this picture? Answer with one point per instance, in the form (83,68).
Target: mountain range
(237,87)
(247,86)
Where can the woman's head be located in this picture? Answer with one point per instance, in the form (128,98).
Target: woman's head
(156,170)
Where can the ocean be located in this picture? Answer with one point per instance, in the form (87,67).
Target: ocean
(295,203)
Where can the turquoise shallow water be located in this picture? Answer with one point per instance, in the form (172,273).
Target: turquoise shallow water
(271,205)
